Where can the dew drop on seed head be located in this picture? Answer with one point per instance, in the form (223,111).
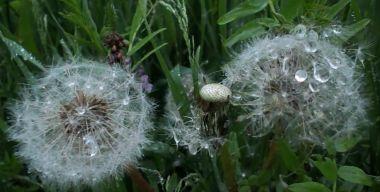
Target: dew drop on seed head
(91,145)
(71,84)
(126,101)
(81,110)
(285,65)
(311,47)
(236,97)
(301,75)
(313,87)
(321,74)
(300,31)
(193,149)
(313,35)
(334,62)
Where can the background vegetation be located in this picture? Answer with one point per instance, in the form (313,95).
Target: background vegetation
(168,36)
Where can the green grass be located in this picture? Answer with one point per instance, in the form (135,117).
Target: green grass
(198,35)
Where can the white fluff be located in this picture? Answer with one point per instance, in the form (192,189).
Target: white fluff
(66,158)
(297,84)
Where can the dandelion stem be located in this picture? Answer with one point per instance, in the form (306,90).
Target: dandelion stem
(138,179)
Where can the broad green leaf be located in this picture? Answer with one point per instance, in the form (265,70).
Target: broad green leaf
(308,187)
(351,30)
(327,167)
(334,10)
(291,8)
(143,41)
(287,155)
(244,9)
(249,30)
(355,175)
(344,144)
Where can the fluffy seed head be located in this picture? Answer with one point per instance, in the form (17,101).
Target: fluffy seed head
(81,123)
(196,131)
(299,84)
(215,92)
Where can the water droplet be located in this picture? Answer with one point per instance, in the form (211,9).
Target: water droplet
(334,62)
(311,47)
(285,65)
(175,139)
(313,35)
(81,110)
(126,101)
(71,84)
(301,75)
(321,74)
(236,97)
(243,175)
(337,31)
(91,145)
(313,87)
(193,149)
(300,31)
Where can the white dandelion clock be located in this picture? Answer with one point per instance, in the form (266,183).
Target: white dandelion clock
(201,129)
(81,123)
(297,84)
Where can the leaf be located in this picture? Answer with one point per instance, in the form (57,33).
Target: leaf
(249,30)
(287,156)
(267,22)
(344,144)
(17,50)
(291,8)
(138,18)
(308,187)
(143,41)
(228,161)
(171,183)
(327,167)
(354,175)
(351,30)
(244,9)
(334,10)
(148,54)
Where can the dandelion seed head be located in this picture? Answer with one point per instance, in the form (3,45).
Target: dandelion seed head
(191,131)
(299,83)
(75,127)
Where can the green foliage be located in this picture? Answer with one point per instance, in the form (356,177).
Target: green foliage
(165,37)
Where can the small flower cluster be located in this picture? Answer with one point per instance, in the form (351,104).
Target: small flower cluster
(116,44)
(299,85)
(81,122)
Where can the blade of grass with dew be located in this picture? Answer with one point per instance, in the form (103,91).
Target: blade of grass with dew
(17,50)
(244,9)
(142,42)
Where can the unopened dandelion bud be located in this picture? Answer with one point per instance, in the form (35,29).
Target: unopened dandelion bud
(215,92)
